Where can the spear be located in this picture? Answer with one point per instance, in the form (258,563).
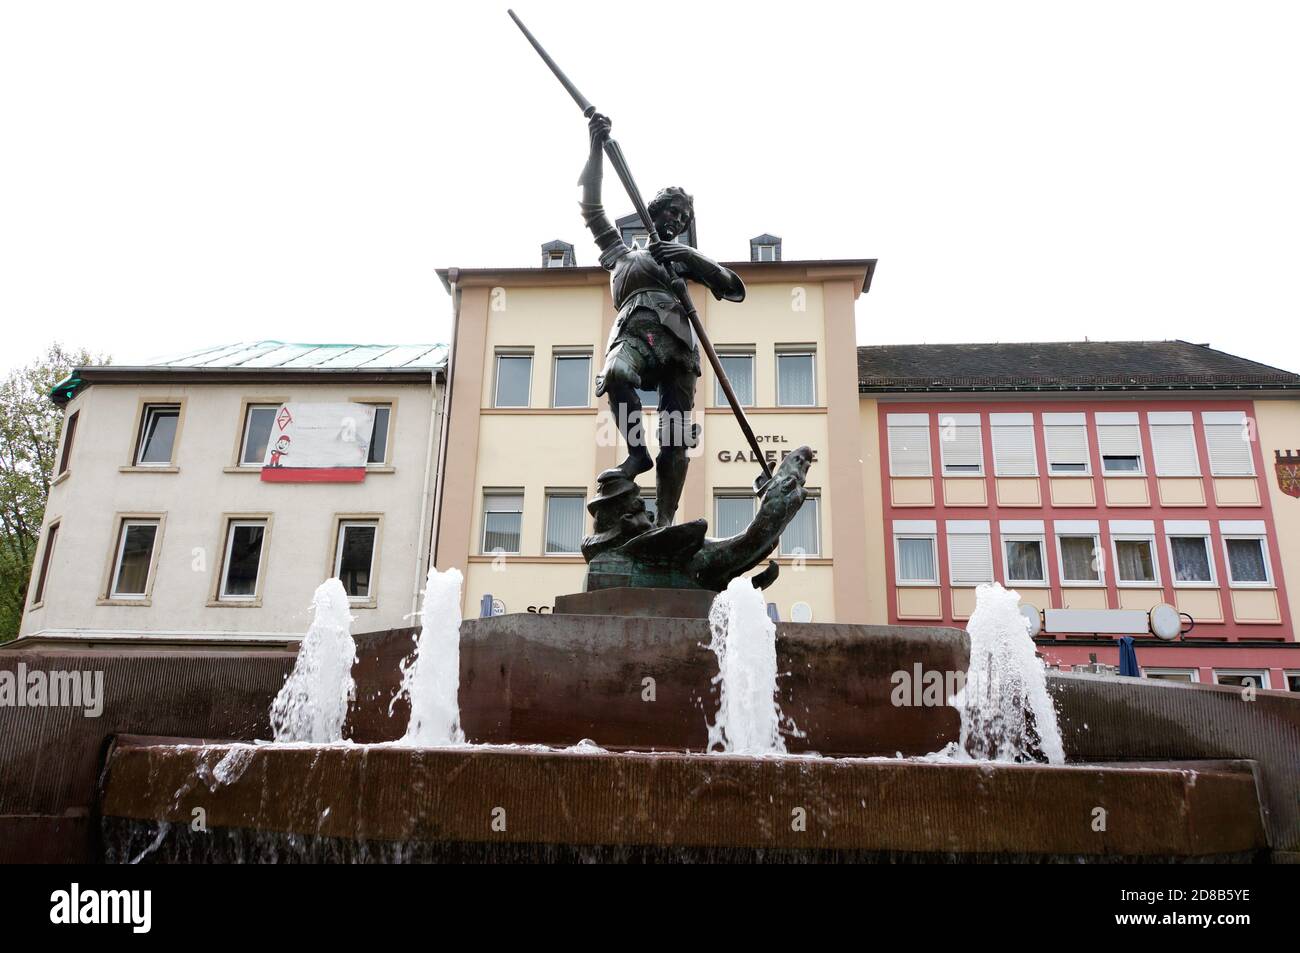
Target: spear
(615,155)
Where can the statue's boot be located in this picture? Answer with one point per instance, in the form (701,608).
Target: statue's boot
(670,478)
(638,461)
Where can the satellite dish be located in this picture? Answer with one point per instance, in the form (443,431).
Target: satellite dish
(1166,622)
(801,612)
(1033,617)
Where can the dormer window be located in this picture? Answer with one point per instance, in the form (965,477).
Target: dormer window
(555,259)
(558,254)
(637,238)
(765,248)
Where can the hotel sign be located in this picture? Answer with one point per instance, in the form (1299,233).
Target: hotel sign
(773,456)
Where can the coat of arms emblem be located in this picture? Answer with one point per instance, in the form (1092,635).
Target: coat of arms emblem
(1287,463)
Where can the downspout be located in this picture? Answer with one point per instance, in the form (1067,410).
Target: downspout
(422,551)
(453,274)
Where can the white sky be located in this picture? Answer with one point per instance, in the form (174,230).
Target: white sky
(177,174)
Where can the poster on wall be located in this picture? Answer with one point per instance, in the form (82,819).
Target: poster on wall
(319,443)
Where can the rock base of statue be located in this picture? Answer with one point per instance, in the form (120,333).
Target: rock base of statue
(626,551)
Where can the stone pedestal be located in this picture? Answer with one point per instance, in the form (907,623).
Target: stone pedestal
(627,601)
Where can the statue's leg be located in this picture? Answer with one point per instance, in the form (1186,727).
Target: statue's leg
(619,380)
(677,433)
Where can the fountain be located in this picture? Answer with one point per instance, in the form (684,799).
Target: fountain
(744,641)
(313,704)
(431,676)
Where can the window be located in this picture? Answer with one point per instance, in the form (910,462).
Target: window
(970,555)
(1174,444)
(1172,674)
(1227,438)
(503,517)
(1066,437)
(636,237)
(1189,556)
(555,259)
(1024,560)
(740,371)
(1120,444)
(572,384)
(909,445)
(649,399)
(51,536)
(733,510)
(1013,445)
(377,454)
(564,522)
(802,536)
(961,448)
(1247,561)
(651,504)
(134,558)
(258,421)
(1079,552)
(1242,678)
(795,383)
(514,380)
(1292,681)
(157,437)
(765,252)
(1135,561)
(914,561)
(69,431)
(241,569)
(354,557)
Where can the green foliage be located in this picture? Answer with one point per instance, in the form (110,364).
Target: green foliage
(29,434)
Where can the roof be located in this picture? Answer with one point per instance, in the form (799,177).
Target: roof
(1063,366)
(259,360)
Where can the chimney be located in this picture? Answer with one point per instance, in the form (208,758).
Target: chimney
(558,254)
(765,248)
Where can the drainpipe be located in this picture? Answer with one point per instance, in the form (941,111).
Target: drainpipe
(453,274)
(422,551)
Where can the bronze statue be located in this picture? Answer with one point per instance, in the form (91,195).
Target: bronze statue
(652,345)
(655,344)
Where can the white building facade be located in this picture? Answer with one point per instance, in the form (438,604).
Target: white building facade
(161,526)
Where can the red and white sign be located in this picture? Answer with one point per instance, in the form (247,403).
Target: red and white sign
(319,443)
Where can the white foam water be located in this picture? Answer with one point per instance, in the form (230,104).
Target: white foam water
(1006,711)
(313,703)
(431,675)
(744,640)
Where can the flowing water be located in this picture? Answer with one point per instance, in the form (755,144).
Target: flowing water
(1006,711)
(313,703)
(431,676)
(744,640)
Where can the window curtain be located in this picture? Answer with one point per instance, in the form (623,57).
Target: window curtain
(795,373)
(1133,557)
(1246,558)
(734,514)
(1077,559)
(916,560)
(1191,562)
(564,524)
(740,371)
(800,536)
(1025,560)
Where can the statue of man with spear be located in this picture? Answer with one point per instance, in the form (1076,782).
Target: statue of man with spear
(652,345)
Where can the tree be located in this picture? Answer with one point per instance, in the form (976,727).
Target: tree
(29,434)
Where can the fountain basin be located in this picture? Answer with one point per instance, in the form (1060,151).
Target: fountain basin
(386,802)
(633,683)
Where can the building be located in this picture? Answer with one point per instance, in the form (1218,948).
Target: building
(161,525)
(526,437)
(1098,476)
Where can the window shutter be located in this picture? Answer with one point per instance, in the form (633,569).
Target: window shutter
(1067,444)
(961,446)
(970,559)
(1119,440)
(1225,439)
(1013,451)
(1174,446)
(909,446)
